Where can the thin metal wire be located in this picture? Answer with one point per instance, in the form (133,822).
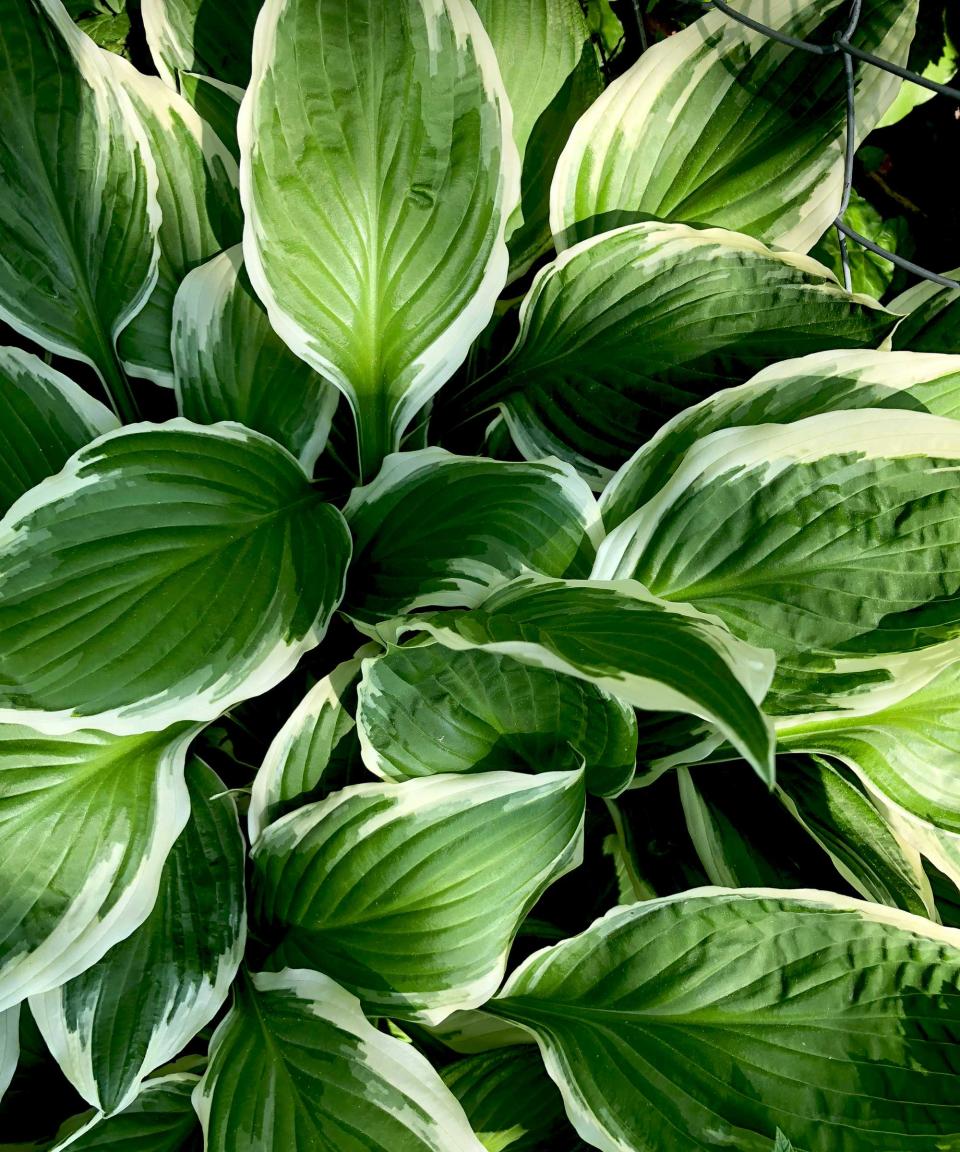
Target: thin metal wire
(842,44)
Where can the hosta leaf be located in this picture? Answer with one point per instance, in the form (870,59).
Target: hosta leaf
(782,394)
(427,709)
(44,419)
(9,1045)
(436,530)
(772,527)
(201,211)
(297,1066)
(510,1101)
(707,1019)
(229,364)
(78,209)
(214,37)
(410,895)
(615,635)
(869,854)
(906,753)
(303,752)
(397,111)
(161,1119)
(162,576)
(148,997)
(719,124)
(218,103)
(932,321)
(707,307)
(473,1031)
(86,823)
(551,74)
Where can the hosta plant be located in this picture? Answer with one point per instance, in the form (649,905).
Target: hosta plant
(479,603)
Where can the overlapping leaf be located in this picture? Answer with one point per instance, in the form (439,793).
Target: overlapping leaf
(398,113)
(437,530)
(214,37)
(932,321)
(410,895)
(711,1017)
(44,419)
(161,1119)
(229,364)
(720,124)
(623,331)
(296,1065)
(427,709)
(165,574)
(78,208)
(616,636)
(86,823)
(145,1000)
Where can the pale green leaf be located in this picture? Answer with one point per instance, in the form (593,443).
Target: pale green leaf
(410,894)
(135,1009)
(200,208)
(437,530)
(397,112)
(296,1066)
(551,75)
(86,823)
(166,573)
(710,1018)
(214,37)
(707,307)
(782,394)
(834,541)
(719,124)
(782,1144)
(869,272)
(427,709)
(941,70)
(229,364)
(652,655)
(78,208)
(44,419)
(303,752)
(161,1119)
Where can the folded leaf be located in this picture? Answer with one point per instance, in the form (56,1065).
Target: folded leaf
(773,528)
(152,993)
(932,321)
(9,1045)
(229,364)
(655,656)
(161,1119)
(510,1101)
(162,577)
(303,752)
(551,74)
(719,124)
(296,1065)
(708,308)
(710,1018)
(214,37)
(410,895)
(200,208)
(217,102)
(398,113)
(782,394)
(906,753)
(437,530)
(86,823)
(427,709)
(78,208)
(44,419)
